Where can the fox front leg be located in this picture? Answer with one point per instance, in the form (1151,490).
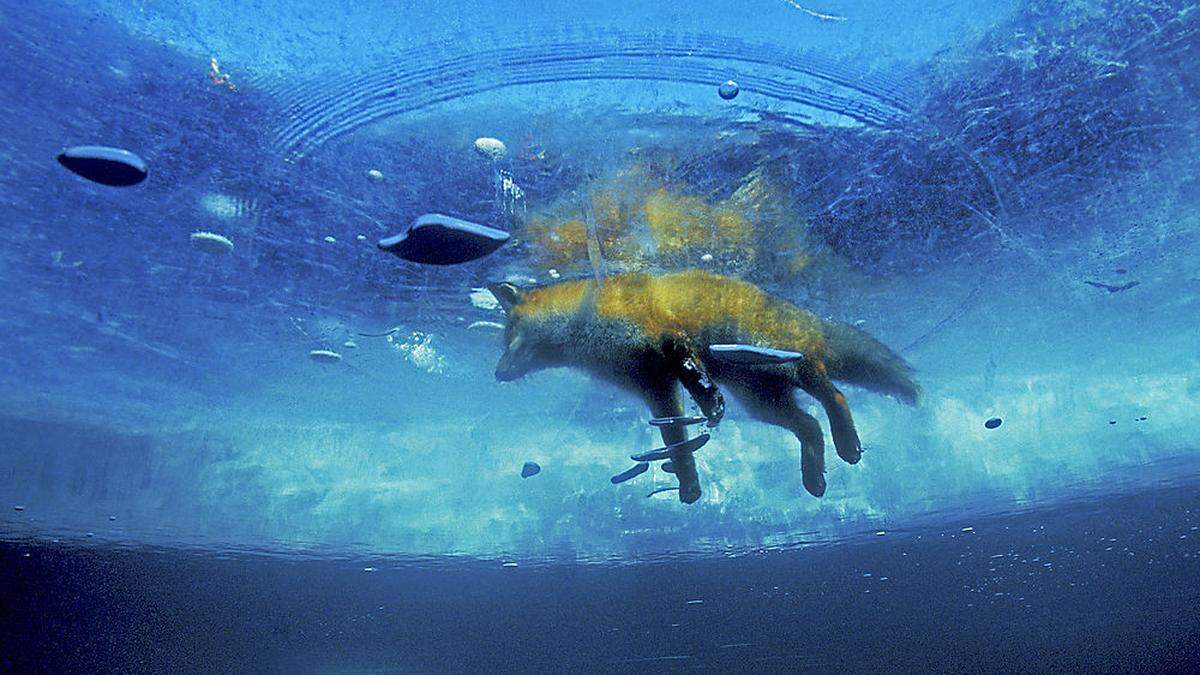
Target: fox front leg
(663,398)
(695,378)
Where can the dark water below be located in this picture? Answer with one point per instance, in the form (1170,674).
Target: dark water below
(1091,586)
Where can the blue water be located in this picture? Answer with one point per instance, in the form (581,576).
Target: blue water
(978,187)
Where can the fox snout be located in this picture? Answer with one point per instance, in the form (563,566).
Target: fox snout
(517,360)
(508,369)
(504,374)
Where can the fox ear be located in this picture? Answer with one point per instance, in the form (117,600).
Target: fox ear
(508,295)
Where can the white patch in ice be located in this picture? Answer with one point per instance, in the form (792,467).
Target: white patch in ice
(226,206)
(492,148)
(486,324)
(483,299)
(211,242)
(324,356)
(509,196)
(418,351)
(330,240)
(375,174)
(57,258)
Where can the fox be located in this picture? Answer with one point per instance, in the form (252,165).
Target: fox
(650,333)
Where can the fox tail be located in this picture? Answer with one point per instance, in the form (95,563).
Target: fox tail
(857,358)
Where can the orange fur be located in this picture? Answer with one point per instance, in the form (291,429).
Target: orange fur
(686,303)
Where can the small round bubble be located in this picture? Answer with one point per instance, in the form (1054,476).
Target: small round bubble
(728,90)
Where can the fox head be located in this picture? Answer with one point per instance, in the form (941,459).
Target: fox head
(526,345)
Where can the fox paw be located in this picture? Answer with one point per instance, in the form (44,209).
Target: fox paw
(689,493)
(849,448)
(850,453)
(814,482)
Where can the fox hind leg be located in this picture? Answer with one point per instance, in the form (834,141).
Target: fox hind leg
(775,403)
(815,381)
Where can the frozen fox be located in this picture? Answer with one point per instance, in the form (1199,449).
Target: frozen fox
(647,333)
